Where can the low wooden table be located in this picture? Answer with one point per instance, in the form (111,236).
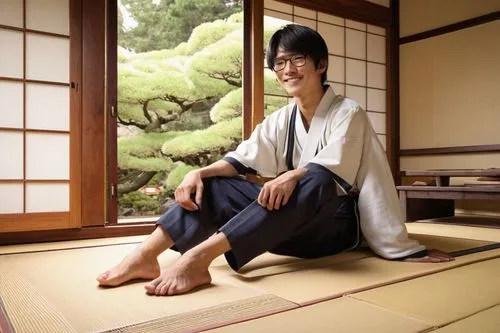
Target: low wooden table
(423,202)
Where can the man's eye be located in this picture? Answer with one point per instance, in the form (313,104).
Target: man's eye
(279,63)
(299,57)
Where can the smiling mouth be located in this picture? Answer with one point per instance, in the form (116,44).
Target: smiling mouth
(292,79)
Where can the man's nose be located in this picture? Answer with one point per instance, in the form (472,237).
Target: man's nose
(289,67)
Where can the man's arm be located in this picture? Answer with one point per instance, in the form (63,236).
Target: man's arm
(275,193)
(192,183)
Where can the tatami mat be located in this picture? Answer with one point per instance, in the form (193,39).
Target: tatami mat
(487,321)
(458,231)
(443,298)
(340,315)
(335,276)
(62,283)
(75,244)
(49,290)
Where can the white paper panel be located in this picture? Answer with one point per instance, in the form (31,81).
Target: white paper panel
(376,76)
(11,13)
(336,69)
(286,18)
(11,63)
(378,122)
(47,197)
(47,107)
(376,100)
(47,156)
(383,140)
(47,58)
(11,104)
(304,12)
(333,36)
(330,18)
(376,48)
(355,25)
(12,198)
(338,88)
(48,15)
(356,72)
(11,155)
(358,94)
(279,6)
(304,21)
(355,44)
(376,30)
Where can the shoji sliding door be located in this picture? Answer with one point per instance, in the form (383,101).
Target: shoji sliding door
(357,57)
(39,114)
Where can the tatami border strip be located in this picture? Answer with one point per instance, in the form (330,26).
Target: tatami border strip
(460,253)
(212,317)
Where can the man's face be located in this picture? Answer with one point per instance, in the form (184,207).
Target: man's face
(299,74)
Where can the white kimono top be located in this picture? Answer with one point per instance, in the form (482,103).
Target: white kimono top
(341,139)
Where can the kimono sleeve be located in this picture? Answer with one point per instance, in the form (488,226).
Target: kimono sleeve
(257,154)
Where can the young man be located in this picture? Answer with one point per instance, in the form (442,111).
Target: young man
(314,149)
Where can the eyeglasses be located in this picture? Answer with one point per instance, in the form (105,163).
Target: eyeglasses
(298,60)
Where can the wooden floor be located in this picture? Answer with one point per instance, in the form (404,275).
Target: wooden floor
(51,288)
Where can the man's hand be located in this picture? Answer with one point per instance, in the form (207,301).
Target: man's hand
(191,183)
(276,192)
(433,256)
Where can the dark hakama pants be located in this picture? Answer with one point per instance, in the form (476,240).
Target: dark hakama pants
(314,223)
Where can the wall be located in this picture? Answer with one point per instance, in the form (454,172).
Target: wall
(449,85)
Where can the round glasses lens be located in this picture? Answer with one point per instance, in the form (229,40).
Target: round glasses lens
(279,65)
(298,60)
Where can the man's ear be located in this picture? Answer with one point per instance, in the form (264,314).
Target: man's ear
(322,65)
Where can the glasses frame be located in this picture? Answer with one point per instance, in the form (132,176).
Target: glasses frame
(292,59)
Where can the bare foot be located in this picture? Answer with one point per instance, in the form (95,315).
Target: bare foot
(134,266)
(186,274)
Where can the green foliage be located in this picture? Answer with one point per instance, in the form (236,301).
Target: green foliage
(271,85)
(158,178)
(273,103)
(188,121)
(167,23)
(130,162)
(142,152)
(176,176)
(208,33)
(139,201)
(229,106)
(236,18)
(214,139)
(216,69)
(146,144)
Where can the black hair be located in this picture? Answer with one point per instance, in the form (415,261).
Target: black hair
(298,39)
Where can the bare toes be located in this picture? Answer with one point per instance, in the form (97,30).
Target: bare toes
(163,290)
(151,286)
(103,277)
